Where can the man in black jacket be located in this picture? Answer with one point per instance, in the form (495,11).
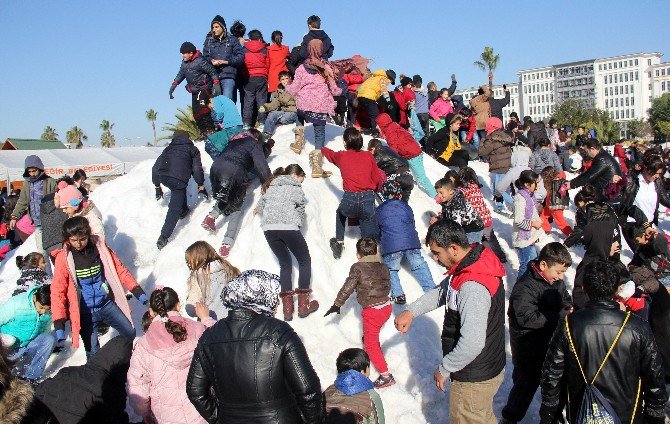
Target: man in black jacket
(394,166)
(173,169)
(602,171)
(251,367)
(315,32)
(631,379)
(497,105)
(538,301)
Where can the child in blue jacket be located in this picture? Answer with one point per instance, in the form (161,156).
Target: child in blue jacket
(399,239)
(227,121)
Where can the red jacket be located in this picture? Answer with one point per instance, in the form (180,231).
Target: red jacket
(353,81)
(398,138)
(359,169)
(403,98)
(256,58)
(620,154)
(277,56)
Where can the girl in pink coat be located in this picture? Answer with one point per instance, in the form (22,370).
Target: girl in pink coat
(441,107)
(161,360)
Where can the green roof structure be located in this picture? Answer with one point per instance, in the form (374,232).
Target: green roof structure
(29,144)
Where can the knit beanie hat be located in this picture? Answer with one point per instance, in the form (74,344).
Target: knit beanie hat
(493,124)
(187,47)
(68,195)
(218,19)
(406,80)
(390,74)
(391,190)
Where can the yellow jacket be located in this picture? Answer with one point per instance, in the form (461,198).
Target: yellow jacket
(373,87)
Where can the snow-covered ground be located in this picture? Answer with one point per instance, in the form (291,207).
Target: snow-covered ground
(132,224)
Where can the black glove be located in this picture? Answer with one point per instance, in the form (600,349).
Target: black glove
(216,89)
(453,77)
(204,193)
(504,87)
(172,87)
(159,193)
(333,309)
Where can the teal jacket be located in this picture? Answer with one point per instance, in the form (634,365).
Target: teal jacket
(225,112)
(19,318)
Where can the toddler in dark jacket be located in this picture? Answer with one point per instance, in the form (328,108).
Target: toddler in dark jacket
(538,301)
(370,278)
(456,208)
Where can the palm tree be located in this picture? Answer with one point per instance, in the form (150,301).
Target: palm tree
(152,115)
(76,136)
(488,62)
(49,134)
(185,122)
(107,138)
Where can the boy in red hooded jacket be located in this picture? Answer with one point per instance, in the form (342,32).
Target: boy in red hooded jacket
(404,144)
(257,62)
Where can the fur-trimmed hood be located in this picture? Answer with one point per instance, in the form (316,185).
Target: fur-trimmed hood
(15,402)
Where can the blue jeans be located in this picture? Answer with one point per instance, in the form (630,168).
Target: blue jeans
(463,136)
(110,314)
(477,137)
(319,136)
(418,266)
(357,205)
(278,117)
(506,197)
(475,236)
(526,254)
(416,165)
(228,87)
(32,358)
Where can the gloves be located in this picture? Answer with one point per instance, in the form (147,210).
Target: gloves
(172,87)
(60,341)
(261,109)
(504,87)
(204,193)
(143,298)
(159,193)
(216,89)
(453,77)
(333,309)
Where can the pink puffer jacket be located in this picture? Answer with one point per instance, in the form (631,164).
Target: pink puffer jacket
(311,91)
(158,370)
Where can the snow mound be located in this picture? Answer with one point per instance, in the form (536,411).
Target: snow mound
(133,220)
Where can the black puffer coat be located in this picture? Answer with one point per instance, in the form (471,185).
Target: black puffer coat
(633,185)
(180,159)
(600,174)
(497,105)
(53,219)
(226,48)
(634,357)
(198,72)
(91,393)
(252,368)
(389,161)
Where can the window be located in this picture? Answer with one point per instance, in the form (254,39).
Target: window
(627,113)
(616,79)
(615,65)
(658,72)
(632,102)
(663,71)
(616,91)
(617,114)
(632,113)
(609,65)
(631,89)
(649,74)
(650,99)
(626,76)
(616,102)
(610,78)
(650,86)
(627,101)
(663,86)
(600,67)
(612,115)
(637,74)
(626,87)
(648,62)
(630,62)
(635,62)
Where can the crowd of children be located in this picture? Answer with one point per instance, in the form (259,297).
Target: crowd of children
(191,365)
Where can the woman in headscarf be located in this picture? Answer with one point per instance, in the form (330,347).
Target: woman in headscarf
(313,87)
(250,366)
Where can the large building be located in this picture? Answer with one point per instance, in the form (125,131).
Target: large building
(498,93)
(660,74)
(536,92)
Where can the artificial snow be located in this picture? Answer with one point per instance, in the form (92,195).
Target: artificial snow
(133,219)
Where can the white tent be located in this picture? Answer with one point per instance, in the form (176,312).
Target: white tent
(97,162)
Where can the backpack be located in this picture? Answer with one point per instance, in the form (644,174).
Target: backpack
(595,409)
(557,201)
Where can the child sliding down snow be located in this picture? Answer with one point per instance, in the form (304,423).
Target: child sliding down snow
(33,272)
(456,208)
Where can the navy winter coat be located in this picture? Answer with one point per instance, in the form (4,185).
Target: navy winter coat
(228,49)
(328,47)
(199,74)
(179,160)
(395,221)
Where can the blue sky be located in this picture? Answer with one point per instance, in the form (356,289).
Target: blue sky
(79,62)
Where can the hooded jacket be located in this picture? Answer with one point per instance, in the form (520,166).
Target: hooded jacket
(94,392)
(225,112)
(403,98)
(421,101)
(395,220)
(198,72)
(542,158)
(498,148)
(497,105)
(19,318)
(158,370)
(440,109)
(389,161)
(282,207)
(319,34)
(371,280)
(52,219)
(256,58)
(443,143)
(277,55)
(281,101)
(31,195)
(250,367)
(482,109)
(180,159)
(634,360)
(226,48)
(398,138)
(373,87)
(352,400)
(312,92)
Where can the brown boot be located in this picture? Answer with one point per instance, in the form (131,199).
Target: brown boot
(299,139)
(315,162)
(287,304)
(305,306)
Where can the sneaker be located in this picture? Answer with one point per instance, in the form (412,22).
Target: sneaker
(382,381)
(399,300)
(162,241)
(224,250)
(336,247)
(209,224)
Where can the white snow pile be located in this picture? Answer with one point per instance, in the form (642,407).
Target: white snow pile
(133,220)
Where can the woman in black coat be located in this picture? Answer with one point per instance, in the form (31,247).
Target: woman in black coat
(250,366)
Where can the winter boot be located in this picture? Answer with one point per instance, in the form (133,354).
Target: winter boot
(209,224)
(305,306)
(224,250)
(336,247)
(162,241)
(287,304)
(299,139)
(315,162)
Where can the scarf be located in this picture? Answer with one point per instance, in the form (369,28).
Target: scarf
(531,203)
(314,59)
(255,290)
